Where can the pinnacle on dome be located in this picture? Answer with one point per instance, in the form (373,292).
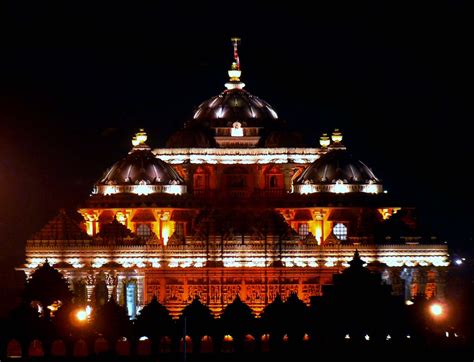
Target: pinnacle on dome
(336,136)
(324,140)
(235,72)
(139,140)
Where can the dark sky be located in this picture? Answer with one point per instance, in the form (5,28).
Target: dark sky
(77,80)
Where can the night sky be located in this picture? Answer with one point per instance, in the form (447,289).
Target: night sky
(76,81)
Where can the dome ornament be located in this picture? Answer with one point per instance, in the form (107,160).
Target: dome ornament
(324,140)
(235,72)
(138,141)
(336,136)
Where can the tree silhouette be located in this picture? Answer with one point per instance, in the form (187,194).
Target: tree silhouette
(295,318)
(357,304)
(23,322)
(154,320)
(112,320)
(198,319)
(273,322)
(237,319)
(47,285)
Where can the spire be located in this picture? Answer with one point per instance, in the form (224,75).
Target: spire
(356,262)
(235,72)
(235,43)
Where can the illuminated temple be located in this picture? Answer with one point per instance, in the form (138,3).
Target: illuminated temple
(235,204)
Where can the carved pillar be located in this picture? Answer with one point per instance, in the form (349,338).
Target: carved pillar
(287,175)
(440,283)
(421,281)
(185,289)
(407,276)
(120,292)
(110,281)
(141,290)
(162,298)
(243,290)
(90,285)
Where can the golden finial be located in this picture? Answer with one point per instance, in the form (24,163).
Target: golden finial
(234,71)
(324,140)
(336,136)
(139,138)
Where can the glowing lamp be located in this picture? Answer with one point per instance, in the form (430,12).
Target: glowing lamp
(340,187)
(81,315)
(436,309)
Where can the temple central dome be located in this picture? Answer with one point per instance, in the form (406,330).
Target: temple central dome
(234,118)
(235,105)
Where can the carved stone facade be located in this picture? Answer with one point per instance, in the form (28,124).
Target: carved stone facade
(220,213)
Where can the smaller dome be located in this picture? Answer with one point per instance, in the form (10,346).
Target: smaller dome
(339,172)
(140,172)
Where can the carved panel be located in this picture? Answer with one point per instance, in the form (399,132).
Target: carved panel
(229,292)
(174,293)
(255,293)
(196,290)
(153,287)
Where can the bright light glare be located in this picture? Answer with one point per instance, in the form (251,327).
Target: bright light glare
(458,261)
(81,315)
(436,309)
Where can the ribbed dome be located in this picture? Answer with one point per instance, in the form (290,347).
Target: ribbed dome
(338,165)
(338,171)
(140,165)
(235,105)
(140,172)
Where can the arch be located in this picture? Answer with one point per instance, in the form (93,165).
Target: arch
(58,348)
(186,344)
(144,346)
(207,345)
(274,178)
(122,347)
(101,345)
(265,342)
(36,349)
(201,179)
(228,344)
(14,349)
(165,345)
(80,349)
(249,343)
